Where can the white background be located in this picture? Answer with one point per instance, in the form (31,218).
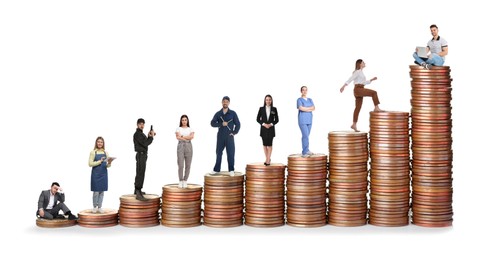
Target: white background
(71,71)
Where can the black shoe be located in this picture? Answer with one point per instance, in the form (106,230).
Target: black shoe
(72,217)
(135,192)
(139,196)
(60,217)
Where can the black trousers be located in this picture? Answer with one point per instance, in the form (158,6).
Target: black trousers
(141,158)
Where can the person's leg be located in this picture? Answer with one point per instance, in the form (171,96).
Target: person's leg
(141,166)
(435,60)
(269,154)
(358,106)
(181,159)
(304,138)
(47,214)
(418,59)
(231,151)
(265,150)
(219,150)
(371,93)
(100,199)
(188,156)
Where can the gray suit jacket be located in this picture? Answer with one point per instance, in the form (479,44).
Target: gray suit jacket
(44,199)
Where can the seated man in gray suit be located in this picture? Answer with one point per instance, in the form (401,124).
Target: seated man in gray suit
(51,202)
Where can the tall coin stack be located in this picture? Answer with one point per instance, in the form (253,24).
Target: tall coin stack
(223,200)
(181,207)
(136,213)
(432,154)
(348,178)
(306,190)
(389,147)
(265,195)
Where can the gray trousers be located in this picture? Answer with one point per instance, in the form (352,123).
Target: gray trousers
(97,198)
(185,154)
(51,213)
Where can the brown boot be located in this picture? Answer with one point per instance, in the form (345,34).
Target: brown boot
(140,196)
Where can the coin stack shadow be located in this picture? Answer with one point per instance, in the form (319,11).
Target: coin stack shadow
(306,190)
(348,178)
(108,218)
(136,213)
(432,154)
(265,195)
(389,149)
(223,200)
(181,207)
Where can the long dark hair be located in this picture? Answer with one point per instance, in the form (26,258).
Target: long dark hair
(357,64)
(181,118)
(264,100)
(95,143)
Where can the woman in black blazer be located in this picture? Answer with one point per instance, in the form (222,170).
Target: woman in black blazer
(267,118)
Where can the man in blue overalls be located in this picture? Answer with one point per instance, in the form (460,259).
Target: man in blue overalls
(228,123)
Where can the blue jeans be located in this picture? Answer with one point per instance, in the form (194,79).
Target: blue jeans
(305,130)
(434,59)
(97,198)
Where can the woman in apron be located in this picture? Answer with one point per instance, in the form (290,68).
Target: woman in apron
(99,160)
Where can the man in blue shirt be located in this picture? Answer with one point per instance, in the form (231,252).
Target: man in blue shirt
(228,123)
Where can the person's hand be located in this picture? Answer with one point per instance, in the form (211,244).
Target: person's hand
(375,78)
(41,212)
(152,133)
(342,89)
(224,123)
(110,160)
(60,189)
(267,126)
(231,134)
(416,49)
(102,159)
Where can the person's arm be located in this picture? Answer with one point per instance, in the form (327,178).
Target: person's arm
(190,136)
(216,121)
(444,51)
(258,117)
(349,80)
(61,196)
(143,140)
(41,201)
(275,116)
(178,136)
(93,163)
(367,82)
(237,124)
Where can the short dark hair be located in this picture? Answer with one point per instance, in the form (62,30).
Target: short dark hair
(55,183)
(433,26)
(140,120)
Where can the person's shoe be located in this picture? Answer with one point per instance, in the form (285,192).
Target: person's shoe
(266,164)
(180,184)
(59,217)
(423,64)
(72,217)
(428,66)
(310,153)
(100,210)
(94,210)
(135,192)
(139,196)
(231,173)
(184,185)
(305,155)
(214,173)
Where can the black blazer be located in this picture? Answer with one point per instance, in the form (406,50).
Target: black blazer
(262,118)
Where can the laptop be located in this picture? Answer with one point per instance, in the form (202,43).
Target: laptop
(422,52)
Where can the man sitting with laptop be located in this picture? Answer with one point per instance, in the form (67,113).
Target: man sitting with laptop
(438,48)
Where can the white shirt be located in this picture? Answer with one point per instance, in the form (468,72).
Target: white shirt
(267,110)
(184,131)
(359,78)
(51,204)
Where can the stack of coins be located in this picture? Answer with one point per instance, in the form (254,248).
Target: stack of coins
(136,213)
(348,178)
(55,223)
(181,207)
(265,195)
(389,147)
(223,200)
(108,218)
(432,154)
(306,190)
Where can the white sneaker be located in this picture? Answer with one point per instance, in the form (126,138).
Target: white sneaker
(231,173)
(214,173)
(100,210)
(185,185)
(180,184)
(94,210)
